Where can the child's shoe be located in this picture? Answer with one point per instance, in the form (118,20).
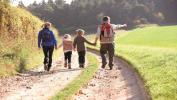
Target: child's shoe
(45,67)
(69,66)
(81,66)
(48,68)
(65,64)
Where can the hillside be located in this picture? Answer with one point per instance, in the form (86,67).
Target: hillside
(18,40)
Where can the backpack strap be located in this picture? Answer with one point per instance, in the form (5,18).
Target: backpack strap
(112,30)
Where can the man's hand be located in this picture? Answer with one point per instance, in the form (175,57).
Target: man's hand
(124,25)
(95,44)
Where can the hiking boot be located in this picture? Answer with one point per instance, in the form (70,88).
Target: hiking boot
(69,66)
(81,66)
(103,65)
(45,67)
(48,69)
(111,67)
(65,64)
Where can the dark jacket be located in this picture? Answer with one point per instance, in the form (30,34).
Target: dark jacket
(79,41)
(51,42)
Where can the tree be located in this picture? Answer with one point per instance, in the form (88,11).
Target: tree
(60,3)
(88,13)
(21,4)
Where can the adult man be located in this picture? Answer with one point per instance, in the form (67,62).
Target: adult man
(105,34)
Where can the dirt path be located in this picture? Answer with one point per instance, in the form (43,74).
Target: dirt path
(121,83)
(37,84)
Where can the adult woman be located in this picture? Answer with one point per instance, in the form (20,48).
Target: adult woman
(47,41)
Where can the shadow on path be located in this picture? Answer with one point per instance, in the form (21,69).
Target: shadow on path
(40,73)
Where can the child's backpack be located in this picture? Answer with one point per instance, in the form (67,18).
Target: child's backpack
(46,35)
(107,30)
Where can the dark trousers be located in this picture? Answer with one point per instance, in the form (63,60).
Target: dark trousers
(48,52)
(81,57)
(107,48)
(68,56)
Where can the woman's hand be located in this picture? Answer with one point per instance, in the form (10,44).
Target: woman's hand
(56,47)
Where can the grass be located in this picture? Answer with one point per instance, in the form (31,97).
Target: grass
(81,80)
(18,40)
(164,36)
(153,52)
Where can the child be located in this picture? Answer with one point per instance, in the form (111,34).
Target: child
(79,42)
(67,48)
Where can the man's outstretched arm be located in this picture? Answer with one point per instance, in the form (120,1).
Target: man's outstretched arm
(119,26)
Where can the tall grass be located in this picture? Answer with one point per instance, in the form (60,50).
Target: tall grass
(18,40)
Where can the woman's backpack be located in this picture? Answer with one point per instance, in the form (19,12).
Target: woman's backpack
(46,35)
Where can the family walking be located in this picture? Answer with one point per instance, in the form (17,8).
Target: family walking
(105,33)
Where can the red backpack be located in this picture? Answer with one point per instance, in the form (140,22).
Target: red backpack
(107,30)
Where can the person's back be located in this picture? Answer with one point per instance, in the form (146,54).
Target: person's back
(47,41)
(46,37)
(67,49)
(80,42)
(67,45)
(105,33)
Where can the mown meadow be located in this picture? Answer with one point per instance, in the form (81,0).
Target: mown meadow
(153,53)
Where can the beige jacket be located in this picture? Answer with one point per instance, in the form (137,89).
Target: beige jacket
(67,45)
(104,40)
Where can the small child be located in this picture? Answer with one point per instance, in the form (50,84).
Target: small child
(67,49)
(79,42)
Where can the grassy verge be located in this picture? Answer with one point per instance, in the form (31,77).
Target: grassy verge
(157,66)
(153,53)
(81,80)
(18,40)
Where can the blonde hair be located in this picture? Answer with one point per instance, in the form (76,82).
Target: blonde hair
(67,37)
(47,25)
(80,32)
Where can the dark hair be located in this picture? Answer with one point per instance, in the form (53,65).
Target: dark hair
(105,18)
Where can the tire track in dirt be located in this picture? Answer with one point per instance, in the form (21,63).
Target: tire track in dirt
(37,84)
(121,83)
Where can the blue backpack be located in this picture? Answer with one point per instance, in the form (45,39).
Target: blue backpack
(46,35)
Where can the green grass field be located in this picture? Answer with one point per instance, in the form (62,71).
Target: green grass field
(153,53)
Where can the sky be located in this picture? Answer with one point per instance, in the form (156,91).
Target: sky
(27,2)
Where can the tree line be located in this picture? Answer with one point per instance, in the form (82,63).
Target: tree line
(87,13)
